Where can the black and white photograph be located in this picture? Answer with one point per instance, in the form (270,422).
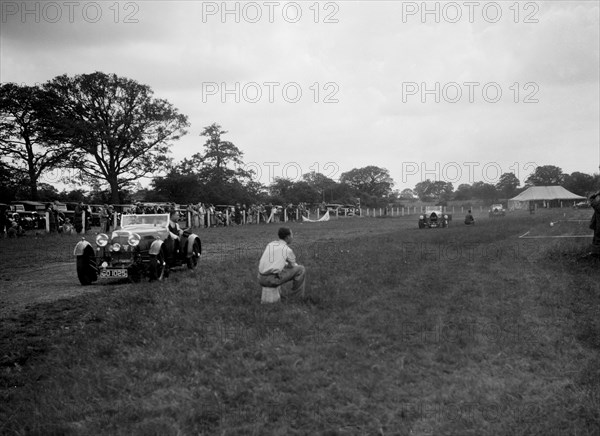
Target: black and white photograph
(300,217)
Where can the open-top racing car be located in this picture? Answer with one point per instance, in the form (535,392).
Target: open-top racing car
(496,210)
(142,246)
(434,217)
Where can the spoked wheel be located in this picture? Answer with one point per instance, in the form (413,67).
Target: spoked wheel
(158,266)
(86,268)
(192,262)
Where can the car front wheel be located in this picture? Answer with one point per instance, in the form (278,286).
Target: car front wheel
(158,266)
(86,269)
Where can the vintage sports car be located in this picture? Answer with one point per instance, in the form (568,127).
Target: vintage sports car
(142,246)
(434,218)
(496,210)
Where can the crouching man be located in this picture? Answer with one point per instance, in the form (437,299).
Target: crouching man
(278,265)
(469,220)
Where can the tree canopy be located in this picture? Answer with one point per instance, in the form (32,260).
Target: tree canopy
(27,140)
(118,130)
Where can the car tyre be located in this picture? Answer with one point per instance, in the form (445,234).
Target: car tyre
(158,267)
(192,261)
(86,269)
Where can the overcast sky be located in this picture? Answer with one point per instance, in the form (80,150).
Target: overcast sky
(516,84)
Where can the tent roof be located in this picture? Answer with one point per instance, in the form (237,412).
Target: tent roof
(547,193)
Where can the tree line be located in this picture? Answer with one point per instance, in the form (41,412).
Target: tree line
(110,131)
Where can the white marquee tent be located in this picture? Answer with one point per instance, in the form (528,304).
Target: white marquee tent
(547,195)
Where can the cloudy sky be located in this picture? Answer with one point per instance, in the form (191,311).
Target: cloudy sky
(453,91)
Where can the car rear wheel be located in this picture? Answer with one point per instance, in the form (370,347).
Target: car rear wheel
(86,269)
(192,261)
(158,266)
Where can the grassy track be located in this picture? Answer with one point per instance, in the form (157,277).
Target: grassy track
(458,331)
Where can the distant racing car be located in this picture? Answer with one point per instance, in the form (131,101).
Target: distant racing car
(433,218)
(496,210)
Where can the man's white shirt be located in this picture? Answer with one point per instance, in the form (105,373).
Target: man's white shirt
(275,257)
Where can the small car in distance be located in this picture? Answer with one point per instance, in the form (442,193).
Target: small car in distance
(582,205)
(434,218)
(141,247)
(496,210)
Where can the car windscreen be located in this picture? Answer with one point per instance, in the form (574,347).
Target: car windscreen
(145,220)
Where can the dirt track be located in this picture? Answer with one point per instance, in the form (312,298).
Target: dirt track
(25,287)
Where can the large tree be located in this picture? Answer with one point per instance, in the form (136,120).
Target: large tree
(119,130)
(220,156)
(546,175)
(438,190)
(508,184)
(463,192)
(370,180)
(580,183)
(484,191)
(27,143)
(215,175)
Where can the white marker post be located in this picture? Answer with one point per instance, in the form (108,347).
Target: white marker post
(83,223)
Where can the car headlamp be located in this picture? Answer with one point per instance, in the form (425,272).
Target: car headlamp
(102,240)
(133,239)
(420,217)
(116,246)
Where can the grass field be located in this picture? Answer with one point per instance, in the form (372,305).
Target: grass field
(457,331)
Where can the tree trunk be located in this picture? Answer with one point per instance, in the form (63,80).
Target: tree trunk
(114,191)
(33,185)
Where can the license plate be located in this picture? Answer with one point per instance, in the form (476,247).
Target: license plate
(113,273)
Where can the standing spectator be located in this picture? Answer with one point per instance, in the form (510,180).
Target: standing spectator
(3,220)
(201,214)
(52,217)
(211,215)
(78,219)
(290,212)
(110,218)
(88,217)
(104,217)
(237,214)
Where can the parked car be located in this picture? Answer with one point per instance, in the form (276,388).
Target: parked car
(28,214)
(141,247)
(582,205)
(434,218)
(496,210)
